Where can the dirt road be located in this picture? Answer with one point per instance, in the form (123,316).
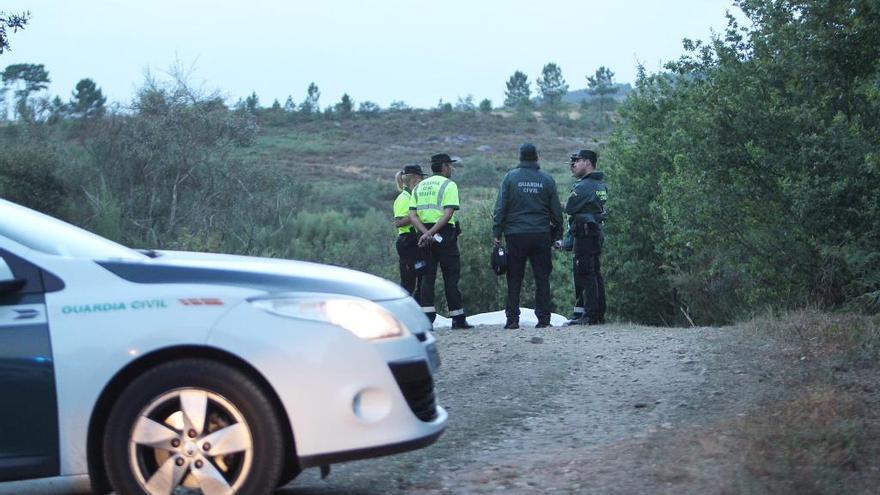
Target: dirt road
(606,409)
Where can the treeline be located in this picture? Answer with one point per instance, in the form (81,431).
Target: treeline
(748,174)
(518,97)
(551,88)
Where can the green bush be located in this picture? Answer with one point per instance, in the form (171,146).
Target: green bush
(747,174)
(363,243)
(28,177)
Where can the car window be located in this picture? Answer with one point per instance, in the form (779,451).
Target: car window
(5,271)
(52,236)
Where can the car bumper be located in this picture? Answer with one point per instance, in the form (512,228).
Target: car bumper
(367,453)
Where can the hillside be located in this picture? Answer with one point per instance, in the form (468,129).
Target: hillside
(365,147)
(341,171)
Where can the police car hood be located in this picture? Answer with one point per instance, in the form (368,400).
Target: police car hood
(271,275)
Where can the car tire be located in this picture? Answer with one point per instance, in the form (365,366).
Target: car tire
(197,424)
(288,475)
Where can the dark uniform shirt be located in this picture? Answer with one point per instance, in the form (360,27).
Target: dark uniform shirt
(586,203)
(527,203)
(585,206)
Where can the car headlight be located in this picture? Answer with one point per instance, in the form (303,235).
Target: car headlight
(363,318)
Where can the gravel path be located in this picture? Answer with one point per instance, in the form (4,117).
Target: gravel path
(576,410)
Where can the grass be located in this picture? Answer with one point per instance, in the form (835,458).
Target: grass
(279,141)
(373,147)
(282,144)
(819,435)
(818,442)
(821,440)
(814,334)
(824,436)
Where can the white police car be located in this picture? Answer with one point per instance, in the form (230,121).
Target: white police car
(155,371)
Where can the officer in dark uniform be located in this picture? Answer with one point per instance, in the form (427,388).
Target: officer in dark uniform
(587,213)
(528,213)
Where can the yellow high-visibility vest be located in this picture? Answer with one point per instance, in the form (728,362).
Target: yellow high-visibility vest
(401,210)
(431,198)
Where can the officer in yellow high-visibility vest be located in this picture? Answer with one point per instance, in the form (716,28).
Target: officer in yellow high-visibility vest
(432,210)
(411,264)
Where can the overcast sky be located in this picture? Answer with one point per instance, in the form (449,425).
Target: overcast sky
(418,51)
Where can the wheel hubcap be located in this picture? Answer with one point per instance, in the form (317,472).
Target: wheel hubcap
(190,449)
(190,440)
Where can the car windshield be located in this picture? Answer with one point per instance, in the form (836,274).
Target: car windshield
(52,236)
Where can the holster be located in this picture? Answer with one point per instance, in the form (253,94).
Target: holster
(408,247)
(581,227)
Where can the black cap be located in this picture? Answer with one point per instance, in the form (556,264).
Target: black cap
(441,158)
(585,154)
(413,170)
(528,153)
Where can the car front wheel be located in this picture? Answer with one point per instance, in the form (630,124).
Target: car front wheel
(193,425)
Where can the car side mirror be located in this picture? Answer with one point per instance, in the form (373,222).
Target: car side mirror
(8,283)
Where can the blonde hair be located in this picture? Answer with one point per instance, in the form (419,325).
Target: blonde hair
(398,178)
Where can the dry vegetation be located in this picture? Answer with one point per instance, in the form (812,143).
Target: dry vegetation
(822,434)
(825,434)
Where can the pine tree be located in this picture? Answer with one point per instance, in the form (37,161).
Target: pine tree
(310,105)
(57,110)
(552,85)
(32,78)
(602,85)
(252,102)
(369,108)
(518,93)
(345,105)
(289,105)
(88,100)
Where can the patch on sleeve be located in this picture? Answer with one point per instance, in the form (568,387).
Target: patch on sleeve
(602,194)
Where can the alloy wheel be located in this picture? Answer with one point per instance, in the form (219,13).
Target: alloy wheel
(190,440)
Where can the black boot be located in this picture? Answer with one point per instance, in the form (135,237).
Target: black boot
(460,323)
(578,321)
(512,324)
(542,323)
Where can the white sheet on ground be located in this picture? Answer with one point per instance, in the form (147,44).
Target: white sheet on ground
(527,318)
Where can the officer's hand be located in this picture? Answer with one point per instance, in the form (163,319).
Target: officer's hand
(425,239)
(497,241)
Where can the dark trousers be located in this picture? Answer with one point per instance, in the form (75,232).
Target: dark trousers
(536,249)
(588,275)
(578,311)
(446,256)
(408,251)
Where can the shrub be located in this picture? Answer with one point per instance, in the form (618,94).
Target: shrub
(28,177)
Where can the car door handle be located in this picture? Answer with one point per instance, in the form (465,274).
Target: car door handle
(22,314)
(26,314)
